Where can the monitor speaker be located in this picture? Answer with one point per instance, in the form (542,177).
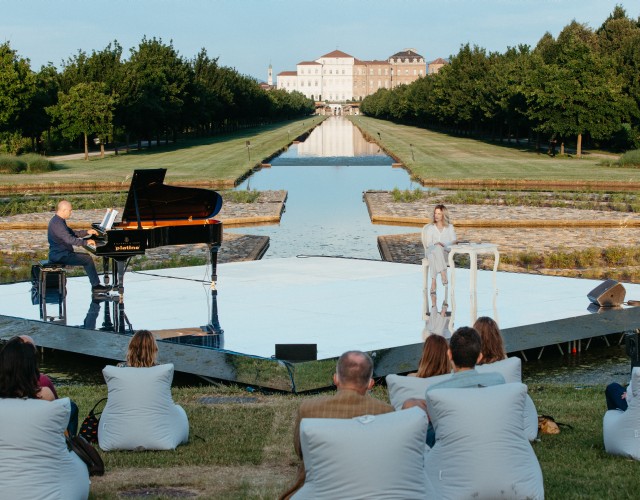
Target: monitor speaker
(607,294)
(297,352)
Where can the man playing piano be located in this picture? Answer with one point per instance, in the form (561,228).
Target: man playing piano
(62,239)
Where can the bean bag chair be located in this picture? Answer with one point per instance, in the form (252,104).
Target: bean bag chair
(369,457)
(621,429)
(140,413)
(35,462)
(481,450)
(402,388)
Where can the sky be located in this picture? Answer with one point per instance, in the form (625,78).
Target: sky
(248,35)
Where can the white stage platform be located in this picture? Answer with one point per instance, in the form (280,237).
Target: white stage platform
(337,303)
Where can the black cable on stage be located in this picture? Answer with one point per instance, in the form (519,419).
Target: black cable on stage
(304,256)
(170,277)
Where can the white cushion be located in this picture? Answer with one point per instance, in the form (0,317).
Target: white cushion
(140,413)
(481,450)
(370,457)
(621,429)
(402,388)
(35,462)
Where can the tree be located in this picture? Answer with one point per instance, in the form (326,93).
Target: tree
(17,87)
(85,110)
(578,92)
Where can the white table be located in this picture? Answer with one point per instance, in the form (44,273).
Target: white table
(473,250)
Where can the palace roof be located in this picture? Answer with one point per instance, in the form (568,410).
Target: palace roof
(406,53)
(336,53)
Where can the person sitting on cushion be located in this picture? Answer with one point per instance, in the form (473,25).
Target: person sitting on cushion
(353,379)
(43,380)
(465,351)
(142,351)
(492,344)
(19,372)
(435,360)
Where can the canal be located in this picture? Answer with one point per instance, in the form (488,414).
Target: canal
(325,177)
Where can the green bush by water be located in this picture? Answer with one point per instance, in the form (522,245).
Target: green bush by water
(407,196)
(630,159)
(11,165)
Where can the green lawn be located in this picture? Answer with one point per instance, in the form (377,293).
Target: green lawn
(434,156)
(220,160)
(245,450)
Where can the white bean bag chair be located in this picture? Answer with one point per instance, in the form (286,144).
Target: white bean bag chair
(481,450)
(402,388)
(140,413)
(621,429)
(369,457)
(35,462)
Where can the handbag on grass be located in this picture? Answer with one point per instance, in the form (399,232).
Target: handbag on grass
(87,453)
(89,426)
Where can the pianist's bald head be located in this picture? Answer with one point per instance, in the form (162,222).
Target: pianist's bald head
(64,209)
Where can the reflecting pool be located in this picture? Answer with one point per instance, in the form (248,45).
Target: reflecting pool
(325,177)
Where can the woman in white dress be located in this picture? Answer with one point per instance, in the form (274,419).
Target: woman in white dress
(437,238)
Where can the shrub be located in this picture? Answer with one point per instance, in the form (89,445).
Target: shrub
(11,165)
(406,196)
(36,163)
(630,159)
(248,196)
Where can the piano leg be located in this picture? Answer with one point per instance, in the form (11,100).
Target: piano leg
(118,267)
(105,270)
(214,324)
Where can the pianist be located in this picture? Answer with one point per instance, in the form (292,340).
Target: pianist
(62,239)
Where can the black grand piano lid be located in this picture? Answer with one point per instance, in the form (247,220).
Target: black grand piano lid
(157,201)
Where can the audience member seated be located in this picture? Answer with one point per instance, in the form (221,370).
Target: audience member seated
(405,392)
(43,380)
(481,450)
(370,456)
(19,375)
(492,344)
(435,360)
(621,422)
(353,379)
(36,462)
(140,413)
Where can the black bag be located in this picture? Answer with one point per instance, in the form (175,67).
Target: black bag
(87,453)
(89,426)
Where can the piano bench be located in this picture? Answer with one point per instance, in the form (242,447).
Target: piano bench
(48,272)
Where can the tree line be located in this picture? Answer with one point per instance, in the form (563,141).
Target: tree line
(155,94)
(583,85)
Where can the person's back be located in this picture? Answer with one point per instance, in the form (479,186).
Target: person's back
(353,379)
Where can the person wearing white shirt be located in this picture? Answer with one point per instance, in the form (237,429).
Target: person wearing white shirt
(437,239)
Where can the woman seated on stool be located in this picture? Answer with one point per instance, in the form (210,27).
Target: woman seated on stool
(19,372)
(492,344)
(435,360)
(437,237)
(142,351)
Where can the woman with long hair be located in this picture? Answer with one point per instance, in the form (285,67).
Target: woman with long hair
(19,372)
(492,344)
(435,360)
(142,351)
(437,238)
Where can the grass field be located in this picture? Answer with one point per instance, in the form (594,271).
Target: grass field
(219,160)
(432,156)
(245,451)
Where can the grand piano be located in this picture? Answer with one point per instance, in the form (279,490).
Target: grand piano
(157,215)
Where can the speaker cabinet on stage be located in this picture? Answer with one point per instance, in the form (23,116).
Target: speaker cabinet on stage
(297,352)
(607,294)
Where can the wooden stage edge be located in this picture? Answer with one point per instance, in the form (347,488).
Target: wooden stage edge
(212,361)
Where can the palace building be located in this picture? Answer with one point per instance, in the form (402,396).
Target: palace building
(339,77)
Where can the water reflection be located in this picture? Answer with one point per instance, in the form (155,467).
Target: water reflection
(438,320)
(338,137)
(325,214)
